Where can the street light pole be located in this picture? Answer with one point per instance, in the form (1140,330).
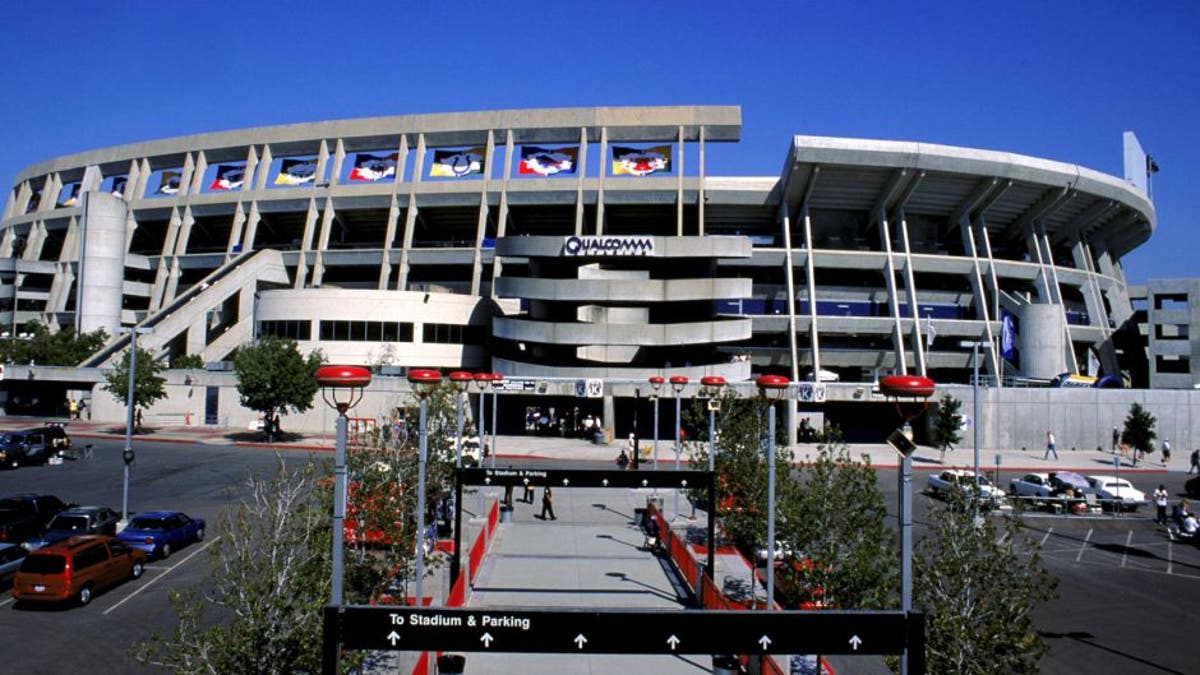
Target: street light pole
(974,345)
(656,383)
(678,383)
(423,383)
(772,388)
(127,454)
(331,379)
(461,381)
(494,384)
(713,384)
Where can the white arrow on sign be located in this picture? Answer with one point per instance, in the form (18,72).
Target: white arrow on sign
(580,640)
(487,481)
(486,639)
(526,481)
(765,642)
(855,641)
(393,637)
(683,482)
(566,481)
(605,482)
(645,482)
(673,642)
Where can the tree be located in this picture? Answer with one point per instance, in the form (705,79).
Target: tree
(148,383)
(978,593)
(273,378)
(271,573)
(1139,430)
(836,520)
(187,362)
(947,422)
(43,347)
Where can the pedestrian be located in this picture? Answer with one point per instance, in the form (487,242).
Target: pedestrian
(622,460)
(527,495)
(1051,447)
(1116,438)
(548,503)
(1195,462)
(1166,451)
(72,409)
(1160,503)
(508,496)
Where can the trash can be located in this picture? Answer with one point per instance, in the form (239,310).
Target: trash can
(598,437)
(505,513)
(639,517)
(451,664)
(726,665)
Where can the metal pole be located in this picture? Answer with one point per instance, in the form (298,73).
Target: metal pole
(675,433)
(339,507)
(656,432)
(479,427)
(421,507)
(458,445)
(495,404)
(975,425)
(770,505)
(906,550)
(129,421)
(712,443)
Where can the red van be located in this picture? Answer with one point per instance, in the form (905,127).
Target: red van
(76,568)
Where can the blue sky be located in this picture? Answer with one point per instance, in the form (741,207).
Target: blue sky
(1060,80)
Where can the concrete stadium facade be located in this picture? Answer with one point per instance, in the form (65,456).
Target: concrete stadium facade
(861,257)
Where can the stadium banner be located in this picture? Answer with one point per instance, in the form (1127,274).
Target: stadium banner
(72,197)
(640,161)
(456,163)
(229,177)
(297,171)
(374,168)
(537,161)
(118,185)
(1008,335)
(168,183)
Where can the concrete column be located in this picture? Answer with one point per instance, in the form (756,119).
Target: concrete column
(101,263)
(1042,340)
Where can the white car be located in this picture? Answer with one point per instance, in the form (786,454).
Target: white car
(952,481)
(1111,488)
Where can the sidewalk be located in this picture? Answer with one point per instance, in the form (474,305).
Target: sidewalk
(555,448)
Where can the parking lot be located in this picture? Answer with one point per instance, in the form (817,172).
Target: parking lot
(196,479)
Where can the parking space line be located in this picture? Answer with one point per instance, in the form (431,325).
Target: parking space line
(6,601)
(164,573)
(1125,551)
(1045,537)
(1084,545)
(1170,556)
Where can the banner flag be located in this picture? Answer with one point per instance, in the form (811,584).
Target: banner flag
(229,177)
(297,171)
(1008,335)
(72,197)
(168,183)
(930,331)
(547,161)
(118,185)
(639,161)
(374,168)
(457,163)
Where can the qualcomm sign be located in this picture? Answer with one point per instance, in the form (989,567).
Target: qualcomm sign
(607,245)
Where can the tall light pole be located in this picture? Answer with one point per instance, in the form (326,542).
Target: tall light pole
(494,384)
(678,384)
(974,345)
(127,454)
(341,389)
(461,380)
(481,380)
(656,383)
(713,384)
(423,383)
(772,388)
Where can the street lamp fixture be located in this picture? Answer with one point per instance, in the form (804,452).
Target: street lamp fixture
(711,386)
(772,388)
(678,384)
(656,383)
(423,383)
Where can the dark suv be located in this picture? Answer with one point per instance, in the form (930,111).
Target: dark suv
(25,447)
(26,515)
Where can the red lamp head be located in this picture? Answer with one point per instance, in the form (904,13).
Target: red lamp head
(461,380)
(678,382)
(656,383)
(772,386)
(338,381)
(423,381)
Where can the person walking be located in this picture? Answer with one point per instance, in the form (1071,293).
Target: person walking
(1166,451)
(1116,438)
(1051,447)
(548,503)
(1195,462)
(1160,504)
(527,495)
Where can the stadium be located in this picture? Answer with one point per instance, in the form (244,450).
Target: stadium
(584,243)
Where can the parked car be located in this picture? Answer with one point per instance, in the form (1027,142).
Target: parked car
(1031,485)
(26,515)
(25,447)
(76,521)
(1062,481)
(1117,491)
(76,568)
(55,435)
(960,481)
(11,556)
(161,533)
